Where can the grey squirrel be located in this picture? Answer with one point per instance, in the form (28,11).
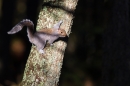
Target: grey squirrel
(40,37)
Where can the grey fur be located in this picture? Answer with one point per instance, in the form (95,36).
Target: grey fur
(38,38)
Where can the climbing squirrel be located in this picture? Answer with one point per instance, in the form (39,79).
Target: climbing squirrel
(40,37)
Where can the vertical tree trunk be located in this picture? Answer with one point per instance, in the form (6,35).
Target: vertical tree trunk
(116,59)
(44,69)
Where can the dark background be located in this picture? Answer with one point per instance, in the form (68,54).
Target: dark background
(82,64)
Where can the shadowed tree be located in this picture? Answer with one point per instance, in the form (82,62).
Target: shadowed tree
(6,19)
(116,58)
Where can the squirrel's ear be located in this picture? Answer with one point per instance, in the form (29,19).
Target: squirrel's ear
(57,25)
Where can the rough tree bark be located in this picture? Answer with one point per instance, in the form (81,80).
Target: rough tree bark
(44,69)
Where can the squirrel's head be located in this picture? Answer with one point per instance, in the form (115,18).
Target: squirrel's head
(62,33)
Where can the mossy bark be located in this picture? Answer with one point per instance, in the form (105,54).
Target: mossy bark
(44,69)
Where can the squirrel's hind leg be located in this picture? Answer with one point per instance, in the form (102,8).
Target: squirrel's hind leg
(40,46)
(41,51)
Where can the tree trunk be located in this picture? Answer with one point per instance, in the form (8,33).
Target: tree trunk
(44,69)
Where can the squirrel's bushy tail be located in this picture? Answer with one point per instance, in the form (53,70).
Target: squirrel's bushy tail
(20,25)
